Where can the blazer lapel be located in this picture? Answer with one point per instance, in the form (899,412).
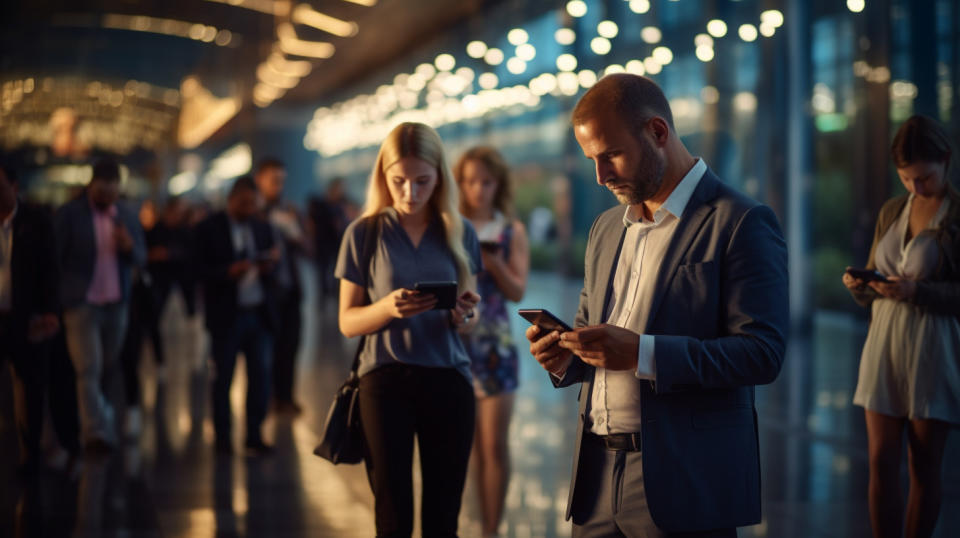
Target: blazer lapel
(607,267)
(694,215)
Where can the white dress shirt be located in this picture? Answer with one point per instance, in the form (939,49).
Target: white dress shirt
(6,255)
(249,290)
(615,401)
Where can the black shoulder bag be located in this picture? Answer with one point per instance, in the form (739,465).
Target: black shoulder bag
(341,440)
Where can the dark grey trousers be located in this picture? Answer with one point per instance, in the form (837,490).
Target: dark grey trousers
(611,500)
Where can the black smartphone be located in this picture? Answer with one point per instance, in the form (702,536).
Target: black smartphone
(445,292)
(544,319)
(490,246)
(866,275)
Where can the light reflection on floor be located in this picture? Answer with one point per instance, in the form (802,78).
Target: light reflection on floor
(170,482)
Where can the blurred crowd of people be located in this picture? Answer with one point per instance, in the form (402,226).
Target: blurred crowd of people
(83,289)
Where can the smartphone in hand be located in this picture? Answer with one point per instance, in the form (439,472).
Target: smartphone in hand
(490,246)
(444,291)
(866,275)
(544,319)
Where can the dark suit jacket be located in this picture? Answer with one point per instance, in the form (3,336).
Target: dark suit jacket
(33,271)
(215,254)
(77,249)
(720,316)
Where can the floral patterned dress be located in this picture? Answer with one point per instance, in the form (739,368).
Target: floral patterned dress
(493,355)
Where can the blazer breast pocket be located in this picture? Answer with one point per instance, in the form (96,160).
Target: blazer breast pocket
(697,287)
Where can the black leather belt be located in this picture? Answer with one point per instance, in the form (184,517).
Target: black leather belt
(631,442)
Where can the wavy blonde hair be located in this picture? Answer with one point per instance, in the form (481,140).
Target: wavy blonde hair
(421,141)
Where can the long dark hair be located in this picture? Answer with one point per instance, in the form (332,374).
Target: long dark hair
(922,139)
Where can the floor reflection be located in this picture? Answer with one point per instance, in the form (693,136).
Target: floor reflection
(169,481)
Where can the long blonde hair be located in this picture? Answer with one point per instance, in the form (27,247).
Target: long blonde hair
(421,141)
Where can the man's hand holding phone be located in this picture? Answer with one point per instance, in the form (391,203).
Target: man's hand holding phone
(604,346)
(544,346)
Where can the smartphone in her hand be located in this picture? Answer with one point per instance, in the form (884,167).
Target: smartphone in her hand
(866,275)
(490,246)
(544,319)
(444,291)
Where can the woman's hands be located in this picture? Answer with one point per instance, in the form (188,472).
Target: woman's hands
(898,288)
(465,309)
(852,283)
(404,303)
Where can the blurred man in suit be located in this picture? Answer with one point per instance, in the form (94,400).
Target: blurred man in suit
(290,239)
(99,243)
(236,258)
(28,310)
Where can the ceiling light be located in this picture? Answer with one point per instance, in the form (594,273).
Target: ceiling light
(516,65)
(600,45)
(493,56)
(526,52)
(577,8)
(290,44)
(566,62)
(651,34)
(517,36)
(663,55)
(640,6)
(304,14)
(476,49)
(717,28)
(445,62)
(565,36)
(607,29)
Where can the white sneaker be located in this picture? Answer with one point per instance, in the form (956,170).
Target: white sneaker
(132,422)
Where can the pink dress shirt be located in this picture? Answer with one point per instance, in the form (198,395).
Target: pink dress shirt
(105,284)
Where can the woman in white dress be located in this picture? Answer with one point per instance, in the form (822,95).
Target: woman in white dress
(910,366)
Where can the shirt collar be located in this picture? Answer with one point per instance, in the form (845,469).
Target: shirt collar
(677,202)
(8,222)
(109,212)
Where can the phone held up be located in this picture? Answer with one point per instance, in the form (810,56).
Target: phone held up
(544,319)
(445,292)
(866,275)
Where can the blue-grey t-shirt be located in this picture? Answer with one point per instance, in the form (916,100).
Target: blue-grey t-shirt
(427,339)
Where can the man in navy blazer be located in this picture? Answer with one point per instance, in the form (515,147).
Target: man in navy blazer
(29,305)
(99,244)
(684,310)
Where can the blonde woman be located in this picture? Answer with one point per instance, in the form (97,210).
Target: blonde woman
(414,372)
(485,199)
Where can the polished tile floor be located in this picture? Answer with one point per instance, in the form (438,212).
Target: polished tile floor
(169,481)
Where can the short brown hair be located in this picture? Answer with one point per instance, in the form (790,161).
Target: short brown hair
(494,162)
(920,138)
(634,98)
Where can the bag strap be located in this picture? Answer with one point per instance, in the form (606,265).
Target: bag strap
(371,236)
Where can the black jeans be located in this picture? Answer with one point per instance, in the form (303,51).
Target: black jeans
(249,335)
(285,346)
(437,405)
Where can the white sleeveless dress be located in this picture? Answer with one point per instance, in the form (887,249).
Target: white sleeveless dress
(910,365)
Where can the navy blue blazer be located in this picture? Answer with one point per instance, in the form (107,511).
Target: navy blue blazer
(720,315)
(77,249)
(33,270)
(215,253)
